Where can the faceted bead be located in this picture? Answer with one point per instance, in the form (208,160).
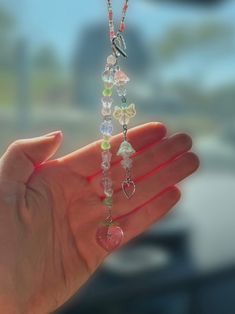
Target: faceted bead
(106,156)
(107,101)
(125,149)
(126,163)
(106,127)
(107,76)
(108,191)
(106,111)
(111,60)
(105,165)
(110,14)
(106,182)
(120,78)
(108,201)
(122,27)
(107,92)
(121,90)
(105,145)
(112,34)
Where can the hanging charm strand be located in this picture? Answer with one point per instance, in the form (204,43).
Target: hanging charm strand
(122,113)
(109,235)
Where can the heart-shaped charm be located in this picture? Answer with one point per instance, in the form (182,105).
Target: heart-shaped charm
(109,237)
(128,187)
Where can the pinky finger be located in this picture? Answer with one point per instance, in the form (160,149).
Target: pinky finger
(137,221)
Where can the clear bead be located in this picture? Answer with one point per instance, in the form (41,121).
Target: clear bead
(126,162)
(106,111)
(105,165)
(108,191)
(106,156)
(107,101)
(108,76)
(106,183)
(121,90)
(111,60)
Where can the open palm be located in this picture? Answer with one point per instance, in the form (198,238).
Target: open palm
(50,209)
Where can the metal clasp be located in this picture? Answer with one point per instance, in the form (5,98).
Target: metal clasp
(119,46)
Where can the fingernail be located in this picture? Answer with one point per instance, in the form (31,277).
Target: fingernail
(53,134)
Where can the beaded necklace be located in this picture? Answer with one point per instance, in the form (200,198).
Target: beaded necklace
(109,235)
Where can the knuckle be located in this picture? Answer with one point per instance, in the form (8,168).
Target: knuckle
(15,146)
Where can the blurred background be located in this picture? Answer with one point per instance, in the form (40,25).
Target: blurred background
(182,68)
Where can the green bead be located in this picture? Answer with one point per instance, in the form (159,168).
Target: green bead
(108,201)
(105,145)
(107,92)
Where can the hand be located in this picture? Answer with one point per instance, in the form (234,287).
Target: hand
(50,210)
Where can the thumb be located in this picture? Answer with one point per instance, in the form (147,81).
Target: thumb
(21,157)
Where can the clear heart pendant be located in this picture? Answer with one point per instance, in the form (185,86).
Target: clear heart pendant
(128,187)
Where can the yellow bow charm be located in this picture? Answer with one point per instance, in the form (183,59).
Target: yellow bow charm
(124,114)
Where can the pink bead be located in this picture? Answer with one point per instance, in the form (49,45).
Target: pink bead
(122,27)
(120,78)
(112,34)
(110,15)
(109,237)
